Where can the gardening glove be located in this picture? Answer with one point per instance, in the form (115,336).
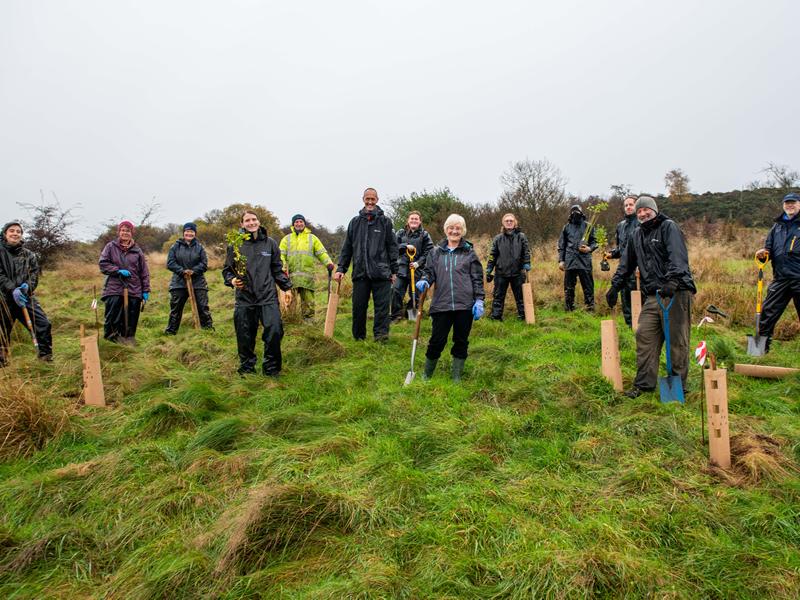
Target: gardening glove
(562,265)
(415,265)
(527,266)
(611,297)
(330,267)
(489,277)
(422,285)
(146,296)
(124,273)
(19,296)
(477,310)
(668,289)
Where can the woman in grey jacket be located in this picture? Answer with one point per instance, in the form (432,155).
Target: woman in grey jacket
(458,297)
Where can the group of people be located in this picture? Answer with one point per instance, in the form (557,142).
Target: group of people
(650,247)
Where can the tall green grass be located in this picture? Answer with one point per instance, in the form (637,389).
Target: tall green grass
(531,479)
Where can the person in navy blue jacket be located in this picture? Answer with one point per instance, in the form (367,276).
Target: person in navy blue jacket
(783,248)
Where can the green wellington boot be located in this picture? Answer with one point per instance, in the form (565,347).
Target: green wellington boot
(458,368)
(430,367)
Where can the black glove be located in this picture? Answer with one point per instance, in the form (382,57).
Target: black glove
(611,297)
(668,289)
(489,278)
(330,267)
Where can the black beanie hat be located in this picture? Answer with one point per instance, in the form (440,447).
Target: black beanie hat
(191,226)
(301,217)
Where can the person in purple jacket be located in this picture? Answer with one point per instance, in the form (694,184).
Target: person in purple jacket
(125,267)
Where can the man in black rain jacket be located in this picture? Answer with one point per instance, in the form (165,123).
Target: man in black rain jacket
(783,247)
(257,298)
(575,258)
(187,256)
(625,229)
(509,257)
(371,246)
(658,249)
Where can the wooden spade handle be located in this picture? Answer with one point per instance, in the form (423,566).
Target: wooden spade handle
(418,322)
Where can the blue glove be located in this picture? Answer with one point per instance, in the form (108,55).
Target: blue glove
(124,273)
(477,310)
(146,296)
(19,296)
(24,287)
(422,285)
(527,266)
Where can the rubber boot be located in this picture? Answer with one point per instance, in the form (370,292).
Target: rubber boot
(458,368)
(430,367)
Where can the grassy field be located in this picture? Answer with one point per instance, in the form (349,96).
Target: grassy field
(531,479)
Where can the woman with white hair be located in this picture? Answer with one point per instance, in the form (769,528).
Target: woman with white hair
(457,298)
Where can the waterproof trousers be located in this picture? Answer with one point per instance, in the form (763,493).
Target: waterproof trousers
(381,291)
(306,301)
(625,296)
(245,321)
(177,301)
(399,289)
(499,295)
(650,338)
(10,312)
(460,321)
(571,276)
(114,326)
(779,292)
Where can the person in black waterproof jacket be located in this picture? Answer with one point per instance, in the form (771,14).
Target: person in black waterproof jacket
(187,257)
(257,297)
(625,229)
(509,257)
(19,276)
(413,235)
(575,258)
(658,249)
(372,248)
(783,247)
(458,296)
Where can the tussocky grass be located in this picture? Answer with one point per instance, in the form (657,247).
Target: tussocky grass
(532,478)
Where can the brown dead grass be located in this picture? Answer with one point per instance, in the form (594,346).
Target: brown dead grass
(278,517)
(27,423)
(754,458)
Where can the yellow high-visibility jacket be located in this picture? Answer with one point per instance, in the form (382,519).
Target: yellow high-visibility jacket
(300,252)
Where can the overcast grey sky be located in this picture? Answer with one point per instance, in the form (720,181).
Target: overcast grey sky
(299,106)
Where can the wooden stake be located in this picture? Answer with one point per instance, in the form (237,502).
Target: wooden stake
(719,443)
(93,393)
(610,347)
(193,299)
(527,300)
(333,306)
(765,371)
(636,304)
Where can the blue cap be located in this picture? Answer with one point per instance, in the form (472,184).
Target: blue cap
(792,197)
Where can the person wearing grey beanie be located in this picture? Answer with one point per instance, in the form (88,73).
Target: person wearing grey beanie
(658,249)
(782,246)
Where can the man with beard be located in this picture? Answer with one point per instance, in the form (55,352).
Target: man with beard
(658,249)
(625,229)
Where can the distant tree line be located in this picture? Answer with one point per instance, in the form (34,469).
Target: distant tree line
(534,190)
